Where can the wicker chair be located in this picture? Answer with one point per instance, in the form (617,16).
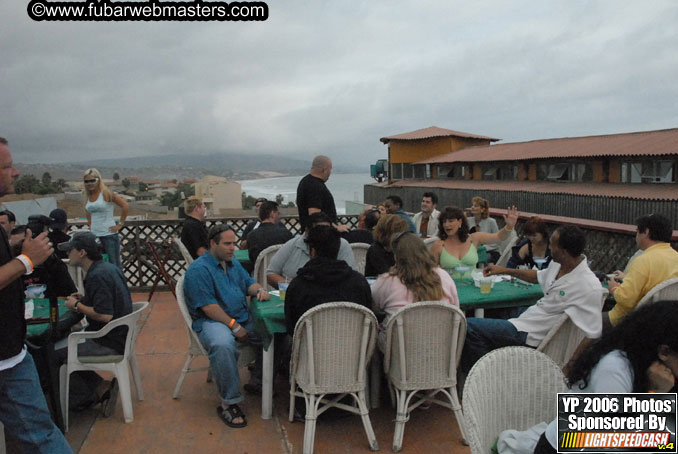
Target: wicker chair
(667,290)
(360,255)
(509,388)
(183,251)
(261,264)
(333,343)
(422,351)
(119,365)
(564,337)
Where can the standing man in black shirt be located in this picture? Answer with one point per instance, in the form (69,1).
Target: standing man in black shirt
(314,197)
(23,409)
(194,233)
(270,232)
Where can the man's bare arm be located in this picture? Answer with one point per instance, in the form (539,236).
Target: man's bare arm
(525,275)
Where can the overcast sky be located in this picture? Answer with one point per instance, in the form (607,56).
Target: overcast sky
(333,77)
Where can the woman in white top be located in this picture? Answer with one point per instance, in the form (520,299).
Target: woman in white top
(414,277)
(100,204)
(480,221)
(639,355)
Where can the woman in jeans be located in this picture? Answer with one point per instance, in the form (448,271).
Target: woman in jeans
(99,206)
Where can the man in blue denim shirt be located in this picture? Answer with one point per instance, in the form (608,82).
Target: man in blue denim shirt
(216,289)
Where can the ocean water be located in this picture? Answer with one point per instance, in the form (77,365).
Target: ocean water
(344,186)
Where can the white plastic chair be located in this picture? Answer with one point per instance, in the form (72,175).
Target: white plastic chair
(2,439)
(76,273)
(262,263)
(360,256)
(423,348)
(667,290)
(195,348)
(183,251)
(506,247)
(564,337)
(332,345)
(118,364)
(509,388)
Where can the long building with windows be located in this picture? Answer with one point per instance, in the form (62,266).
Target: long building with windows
(614,178)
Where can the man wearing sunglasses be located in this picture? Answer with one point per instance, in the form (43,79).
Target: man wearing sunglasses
(216,289)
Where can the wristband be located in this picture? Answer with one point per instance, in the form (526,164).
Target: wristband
(231,323)
(508,227)
(75,306)
(235,331)
(28,264)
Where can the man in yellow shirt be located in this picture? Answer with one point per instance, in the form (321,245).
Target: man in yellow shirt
(657,263)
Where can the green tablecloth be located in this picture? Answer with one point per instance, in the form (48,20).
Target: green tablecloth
(269,316)
(67,318)
(242,255)
(503,294)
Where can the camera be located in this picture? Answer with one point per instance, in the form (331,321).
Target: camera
(38,223)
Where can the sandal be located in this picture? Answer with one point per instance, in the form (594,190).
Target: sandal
(227,415)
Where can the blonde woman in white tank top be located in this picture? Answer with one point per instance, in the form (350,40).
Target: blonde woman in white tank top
(100,203)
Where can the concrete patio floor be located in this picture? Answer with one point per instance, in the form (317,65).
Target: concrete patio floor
(190,424)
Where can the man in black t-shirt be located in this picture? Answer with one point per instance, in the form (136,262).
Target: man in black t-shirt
(23,409)
(194,232)
(270,232)
(314,197)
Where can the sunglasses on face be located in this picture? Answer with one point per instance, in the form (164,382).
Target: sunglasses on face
(91,180)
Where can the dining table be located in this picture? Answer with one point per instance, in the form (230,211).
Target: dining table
(269,319)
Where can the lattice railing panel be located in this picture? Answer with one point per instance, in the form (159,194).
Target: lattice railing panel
(607,250)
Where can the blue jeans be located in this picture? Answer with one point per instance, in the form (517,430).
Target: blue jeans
(111,244)
(23,410)
(486,334)
(223,352)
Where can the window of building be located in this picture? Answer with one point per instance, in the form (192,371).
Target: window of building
(419,171)
(407,170)
(648,172)
(490,173)
(397,171)
(564,171)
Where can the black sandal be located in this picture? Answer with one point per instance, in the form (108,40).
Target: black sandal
(227,415)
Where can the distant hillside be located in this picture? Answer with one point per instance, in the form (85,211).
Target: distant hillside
(237,166)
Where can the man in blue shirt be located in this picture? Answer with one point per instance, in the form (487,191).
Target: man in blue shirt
(394,205)
(216,289)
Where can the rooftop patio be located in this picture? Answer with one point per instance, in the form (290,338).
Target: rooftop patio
(190,424)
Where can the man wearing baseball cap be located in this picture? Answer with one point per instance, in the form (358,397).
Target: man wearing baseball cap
(106,298)
(57,230)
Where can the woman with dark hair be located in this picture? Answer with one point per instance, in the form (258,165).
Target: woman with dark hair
(380,256)
(534,249)
(457,247)
(414,277)
(639,355)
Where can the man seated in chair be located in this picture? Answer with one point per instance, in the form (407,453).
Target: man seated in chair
(569,287)
(324,278)
(657,263)
(106,298)
(295,253)
(269,233)
(216,289)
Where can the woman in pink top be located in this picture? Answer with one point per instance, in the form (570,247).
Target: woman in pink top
(414,277)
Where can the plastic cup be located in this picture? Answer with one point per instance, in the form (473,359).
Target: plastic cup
(485,285)
(283,289)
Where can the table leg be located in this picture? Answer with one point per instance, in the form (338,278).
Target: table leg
(479,313)
(267,382)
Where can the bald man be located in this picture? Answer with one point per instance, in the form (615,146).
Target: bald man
(313,196)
